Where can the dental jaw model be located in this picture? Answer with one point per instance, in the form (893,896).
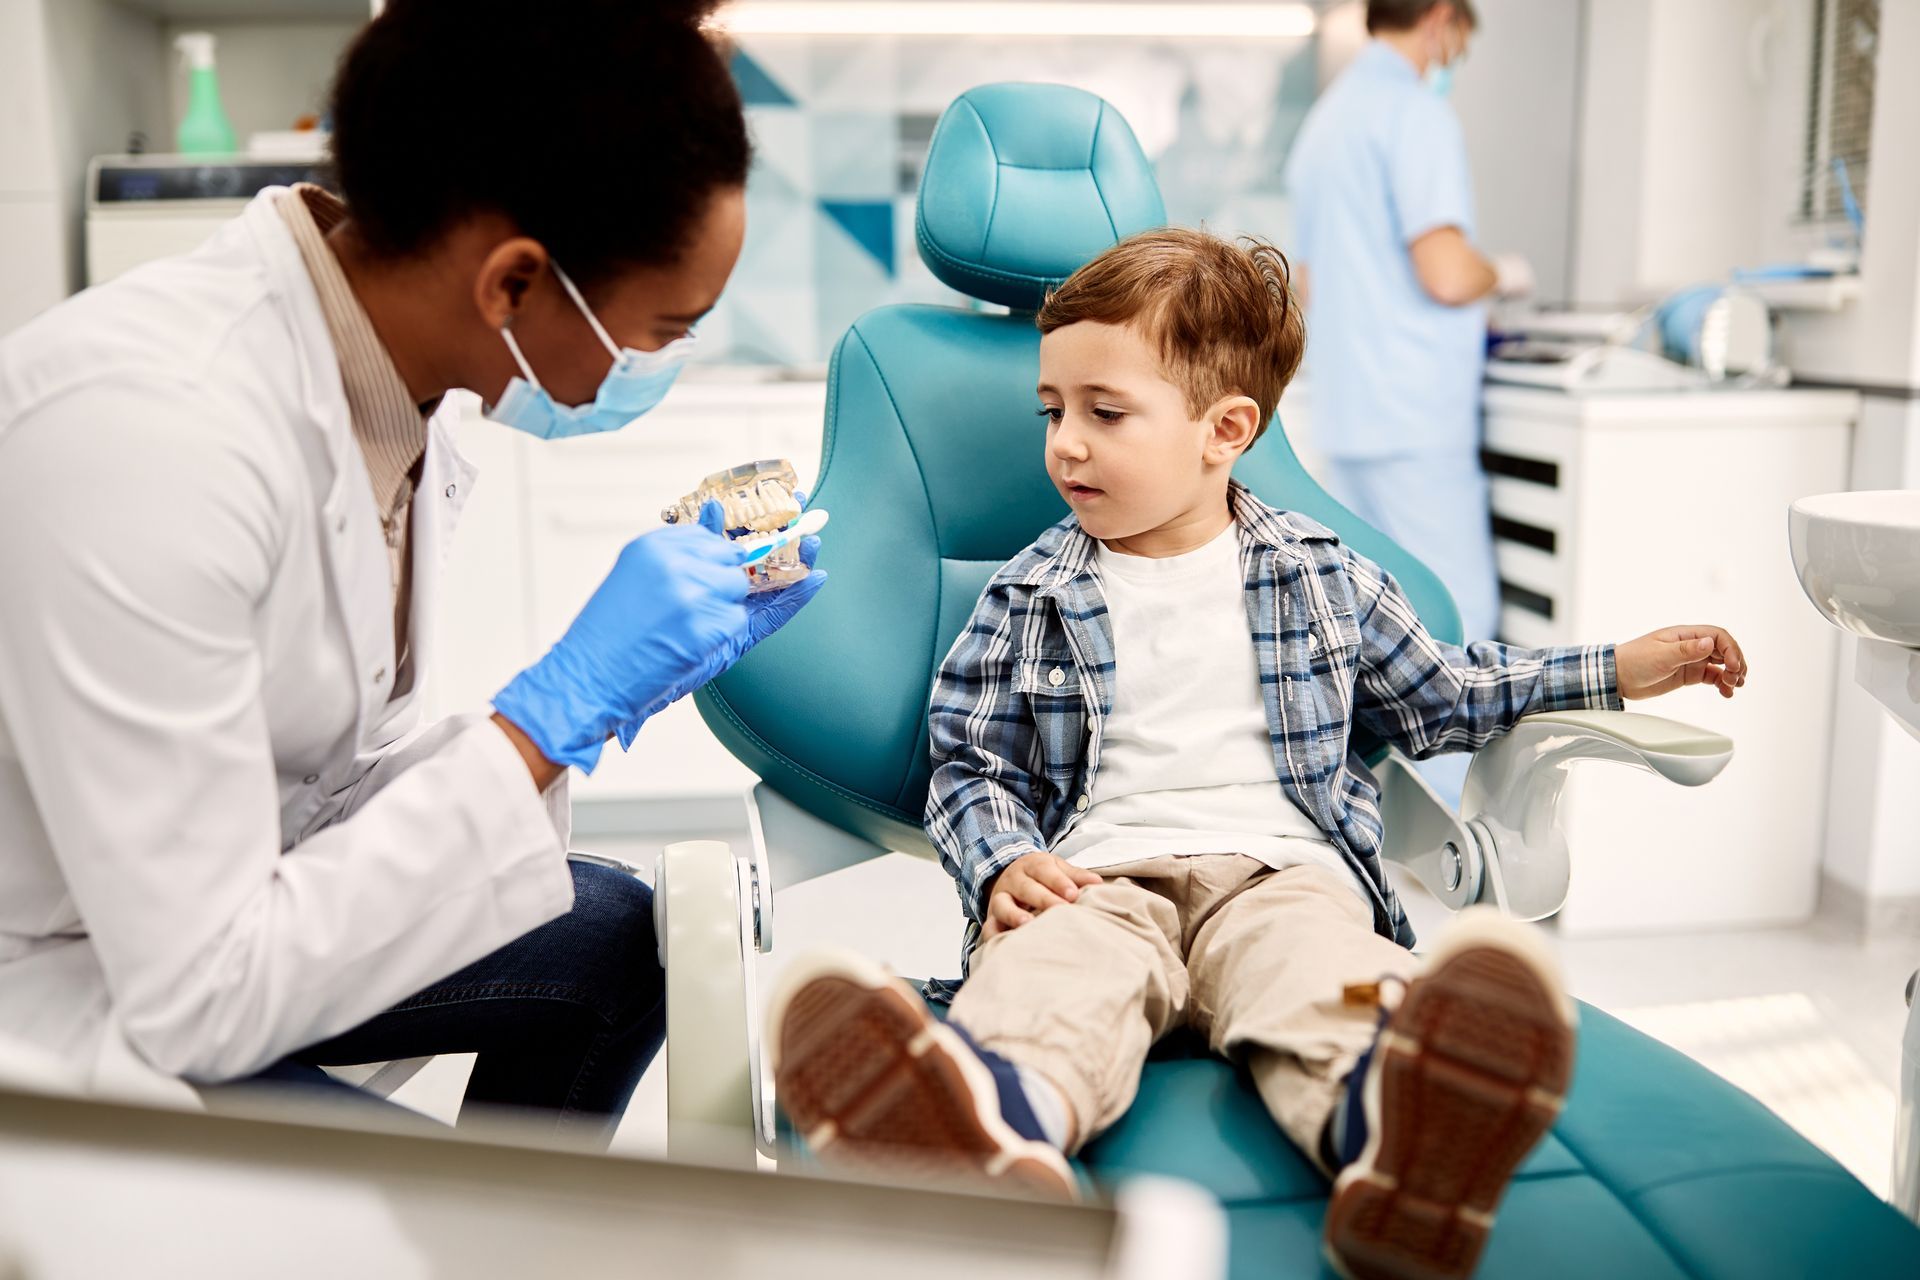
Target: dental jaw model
(757,503)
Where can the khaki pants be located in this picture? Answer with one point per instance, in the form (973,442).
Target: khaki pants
(1252,958)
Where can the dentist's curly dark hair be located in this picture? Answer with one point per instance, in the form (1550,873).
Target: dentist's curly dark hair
(600,128)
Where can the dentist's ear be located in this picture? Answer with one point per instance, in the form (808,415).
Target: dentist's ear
(1236,423)
(506,275)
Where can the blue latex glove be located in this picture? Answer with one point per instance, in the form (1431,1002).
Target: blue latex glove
(675,599)
(767,612)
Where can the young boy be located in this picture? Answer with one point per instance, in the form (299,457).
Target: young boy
(1144,789)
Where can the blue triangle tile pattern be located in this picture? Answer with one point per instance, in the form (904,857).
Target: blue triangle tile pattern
(758,88)
(870,223)
(841,126)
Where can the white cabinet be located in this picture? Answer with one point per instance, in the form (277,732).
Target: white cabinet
(546,520)
(1617,514)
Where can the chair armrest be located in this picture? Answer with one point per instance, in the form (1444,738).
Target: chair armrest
(1677,752)
(713,911)
(808,847)
(1512,796)
(1422,833)
(703,918)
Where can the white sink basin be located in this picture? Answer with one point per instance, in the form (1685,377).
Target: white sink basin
(1858,557)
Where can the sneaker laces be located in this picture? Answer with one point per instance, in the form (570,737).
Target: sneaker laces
(1346,1132)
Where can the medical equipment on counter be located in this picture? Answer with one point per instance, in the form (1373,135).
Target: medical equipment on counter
(754,497)
(306,143)
(204,129)
(155,206)
(1577,351)
(1702,336)
(1858,559)
(1722,330)
(1594,367)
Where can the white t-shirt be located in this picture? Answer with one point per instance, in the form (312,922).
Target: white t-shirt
(1186,761)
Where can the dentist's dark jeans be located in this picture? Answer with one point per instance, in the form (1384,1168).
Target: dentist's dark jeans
(564,1020)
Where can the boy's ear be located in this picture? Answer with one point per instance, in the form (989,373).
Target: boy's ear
(1236,422)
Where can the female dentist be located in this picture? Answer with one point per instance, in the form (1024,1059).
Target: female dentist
(228,848)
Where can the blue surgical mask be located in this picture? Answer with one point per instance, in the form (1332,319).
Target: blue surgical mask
(636,383)
(1440,79)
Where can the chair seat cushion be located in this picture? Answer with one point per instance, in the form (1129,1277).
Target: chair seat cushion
(1656,1168)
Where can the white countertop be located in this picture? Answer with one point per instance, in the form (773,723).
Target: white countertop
(1629,409)
(1656,408)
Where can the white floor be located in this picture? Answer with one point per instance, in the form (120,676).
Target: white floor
(1806,1020)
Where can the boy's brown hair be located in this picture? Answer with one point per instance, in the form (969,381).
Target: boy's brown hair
(1222,314)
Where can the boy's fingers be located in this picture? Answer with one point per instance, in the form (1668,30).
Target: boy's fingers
(1059,878)
(1084,878)
(1034,895)
(1735,657)
(1685,652)
(1004,913)
(1717,643)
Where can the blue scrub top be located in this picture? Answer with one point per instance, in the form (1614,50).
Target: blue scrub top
(1380,162)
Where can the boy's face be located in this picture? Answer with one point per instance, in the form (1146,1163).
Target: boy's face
(1122,447)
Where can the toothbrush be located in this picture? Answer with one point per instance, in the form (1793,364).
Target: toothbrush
(758,549)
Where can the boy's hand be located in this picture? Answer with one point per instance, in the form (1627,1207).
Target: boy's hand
(1035,883)
(1674,657)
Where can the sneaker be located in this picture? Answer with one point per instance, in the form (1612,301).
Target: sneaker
(870,1078)
(1469,1071)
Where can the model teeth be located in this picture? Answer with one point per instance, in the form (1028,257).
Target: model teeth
(756,496)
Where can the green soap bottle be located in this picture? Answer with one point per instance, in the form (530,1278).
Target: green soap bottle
(205,129)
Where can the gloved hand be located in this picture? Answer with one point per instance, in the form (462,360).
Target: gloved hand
(1513,276)
(766,614)
(675,599)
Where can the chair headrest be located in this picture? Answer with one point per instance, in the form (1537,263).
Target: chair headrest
(1024,183)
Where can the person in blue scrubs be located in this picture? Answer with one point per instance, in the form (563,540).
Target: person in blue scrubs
(1396,290)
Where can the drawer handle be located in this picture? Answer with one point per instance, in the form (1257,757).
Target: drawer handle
(1514,467)
(1508,529)
(1527,599)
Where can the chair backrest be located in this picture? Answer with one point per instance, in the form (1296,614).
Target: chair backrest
(932,463)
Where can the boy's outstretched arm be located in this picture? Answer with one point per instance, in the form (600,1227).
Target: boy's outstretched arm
(1426,697)
(983,801)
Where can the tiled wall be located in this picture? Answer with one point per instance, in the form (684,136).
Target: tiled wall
(841,128)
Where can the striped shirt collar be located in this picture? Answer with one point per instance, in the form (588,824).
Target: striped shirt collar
(1066,551)
(387,423)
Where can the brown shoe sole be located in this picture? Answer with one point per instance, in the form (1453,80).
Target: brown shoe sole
(1477,1062)
(874,1082)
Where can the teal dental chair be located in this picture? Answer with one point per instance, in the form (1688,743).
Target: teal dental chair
(932,469)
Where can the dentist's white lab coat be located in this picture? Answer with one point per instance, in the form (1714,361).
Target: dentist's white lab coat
(220,841)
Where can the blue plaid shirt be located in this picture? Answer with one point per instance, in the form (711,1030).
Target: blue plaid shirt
(1019,703)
